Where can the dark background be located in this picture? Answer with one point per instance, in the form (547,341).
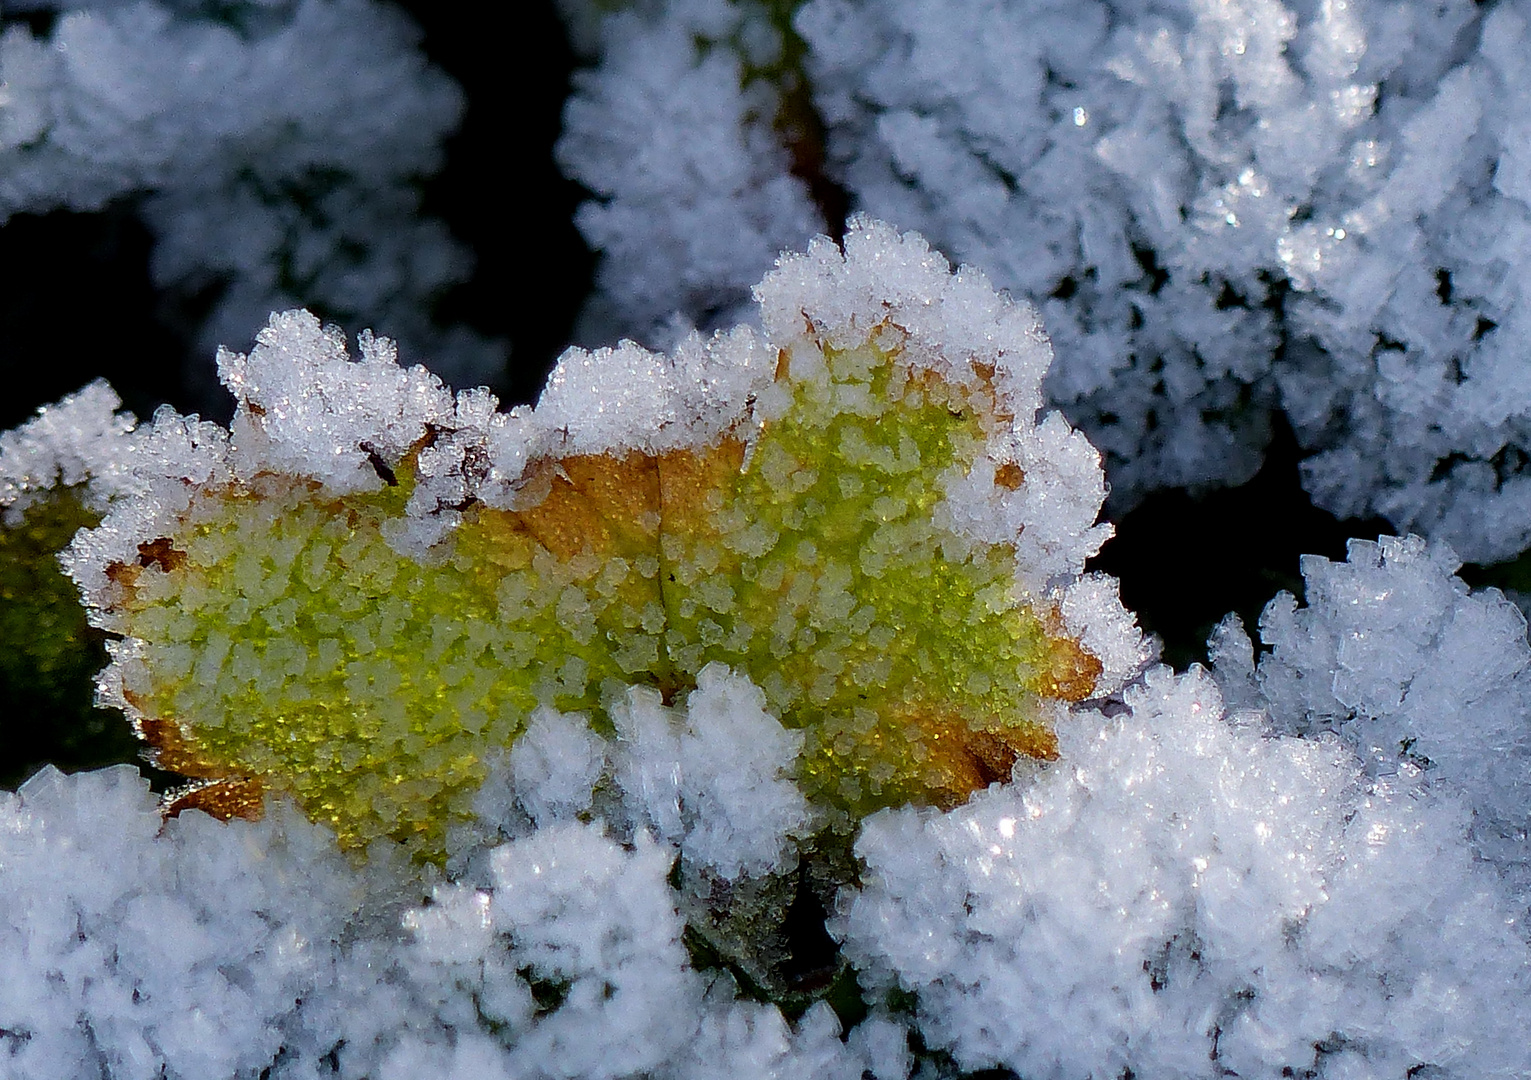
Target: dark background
(76,302)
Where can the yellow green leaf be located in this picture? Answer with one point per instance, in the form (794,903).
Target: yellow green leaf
(281,640)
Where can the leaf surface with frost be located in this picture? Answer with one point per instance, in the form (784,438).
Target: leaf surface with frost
(835,513)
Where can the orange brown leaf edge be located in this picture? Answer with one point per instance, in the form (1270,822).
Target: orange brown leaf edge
(358,594)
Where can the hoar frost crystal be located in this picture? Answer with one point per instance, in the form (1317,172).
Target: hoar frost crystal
(639,666)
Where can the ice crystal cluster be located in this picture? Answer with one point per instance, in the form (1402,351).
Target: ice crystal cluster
(274,149)
(1220,207)
(563,718)
(1105,920)
(194,949)
(675,136)
(1416,673)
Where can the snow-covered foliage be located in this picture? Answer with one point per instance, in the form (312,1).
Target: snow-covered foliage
(361,533)
(1220,208)
(276,149)
(1392,654)
(1187,896)
(582,819)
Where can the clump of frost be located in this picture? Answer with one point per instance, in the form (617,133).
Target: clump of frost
(714,777)
(81,441)
(135,947)
(1184,895)
(569,964)
(553,772)
(1393,654)
(749,1040)
(128,951)
(600,920)
(277,148)
(1093,612)
(711,777)
(1421,412)
(694,196)
(555,765)
(628,398)
(170,457)
(616,400)
(306,408)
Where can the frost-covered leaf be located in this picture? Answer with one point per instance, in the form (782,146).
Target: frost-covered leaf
(860,514)
(48,653)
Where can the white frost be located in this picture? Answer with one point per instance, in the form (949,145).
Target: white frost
(693,194)
(1186,896)
(1220,209)
(1392,653)
(81,441)
(713,777)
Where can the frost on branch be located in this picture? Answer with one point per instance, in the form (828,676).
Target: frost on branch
(361,593)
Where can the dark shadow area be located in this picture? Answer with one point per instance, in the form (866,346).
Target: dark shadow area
(76,303)
(1513,576)
(501,193)
(1186,562)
